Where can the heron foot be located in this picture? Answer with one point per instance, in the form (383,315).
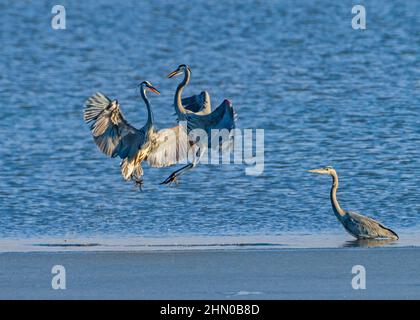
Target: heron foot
(139,183)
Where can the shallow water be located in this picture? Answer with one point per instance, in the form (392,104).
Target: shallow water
(285,242)
(325,94)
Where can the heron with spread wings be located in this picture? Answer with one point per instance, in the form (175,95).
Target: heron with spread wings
(357,225)
(114,136)
(197,112)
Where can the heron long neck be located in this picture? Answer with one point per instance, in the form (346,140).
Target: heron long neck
(333,195)
(150,119)
(179,108)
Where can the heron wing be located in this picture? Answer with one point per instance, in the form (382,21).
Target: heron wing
(223,117)
(169,146)
(113,135)
(368,227)
(198,103)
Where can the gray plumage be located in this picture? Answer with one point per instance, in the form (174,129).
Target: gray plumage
(113,135)
(198,103)
(357,225)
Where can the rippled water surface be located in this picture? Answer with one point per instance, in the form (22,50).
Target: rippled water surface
(325,94)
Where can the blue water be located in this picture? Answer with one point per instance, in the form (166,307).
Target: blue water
(325,94)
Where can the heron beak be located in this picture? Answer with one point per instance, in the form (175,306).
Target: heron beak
(317,171)
(174,73)
(153,89)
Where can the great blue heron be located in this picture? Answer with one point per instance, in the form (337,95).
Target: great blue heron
(116,137)
(198,104)
(356,224)
(223,117)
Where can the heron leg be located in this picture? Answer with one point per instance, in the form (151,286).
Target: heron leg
(174,180)
(174,175)
(138,181)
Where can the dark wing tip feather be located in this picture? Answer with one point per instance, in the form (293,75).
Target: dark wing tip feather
(389,230)
(393,232)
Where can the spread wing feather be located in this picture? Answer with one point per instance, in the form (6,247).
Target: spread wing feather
(169,146)
(223,117)
(199,103)
(113,135)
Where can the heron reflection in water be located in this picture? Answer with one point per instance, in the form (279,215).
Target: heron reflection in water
(368,243)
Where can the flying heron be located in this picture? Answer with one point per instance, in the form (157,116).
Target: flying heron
(114,136)
(223,117)
(198,104)
(356,224)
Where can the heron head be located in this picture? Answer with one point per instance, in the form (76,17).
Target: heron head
(146,85)
(180,70)
(325,170)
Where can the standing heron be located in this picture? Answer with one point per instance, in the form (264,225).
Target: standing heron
(222,118)
(356,224)
(114,136)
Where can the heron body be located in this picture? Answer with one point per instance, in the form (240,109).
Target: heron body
(114,136)
(357,225)
(223,117)
(198,115)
